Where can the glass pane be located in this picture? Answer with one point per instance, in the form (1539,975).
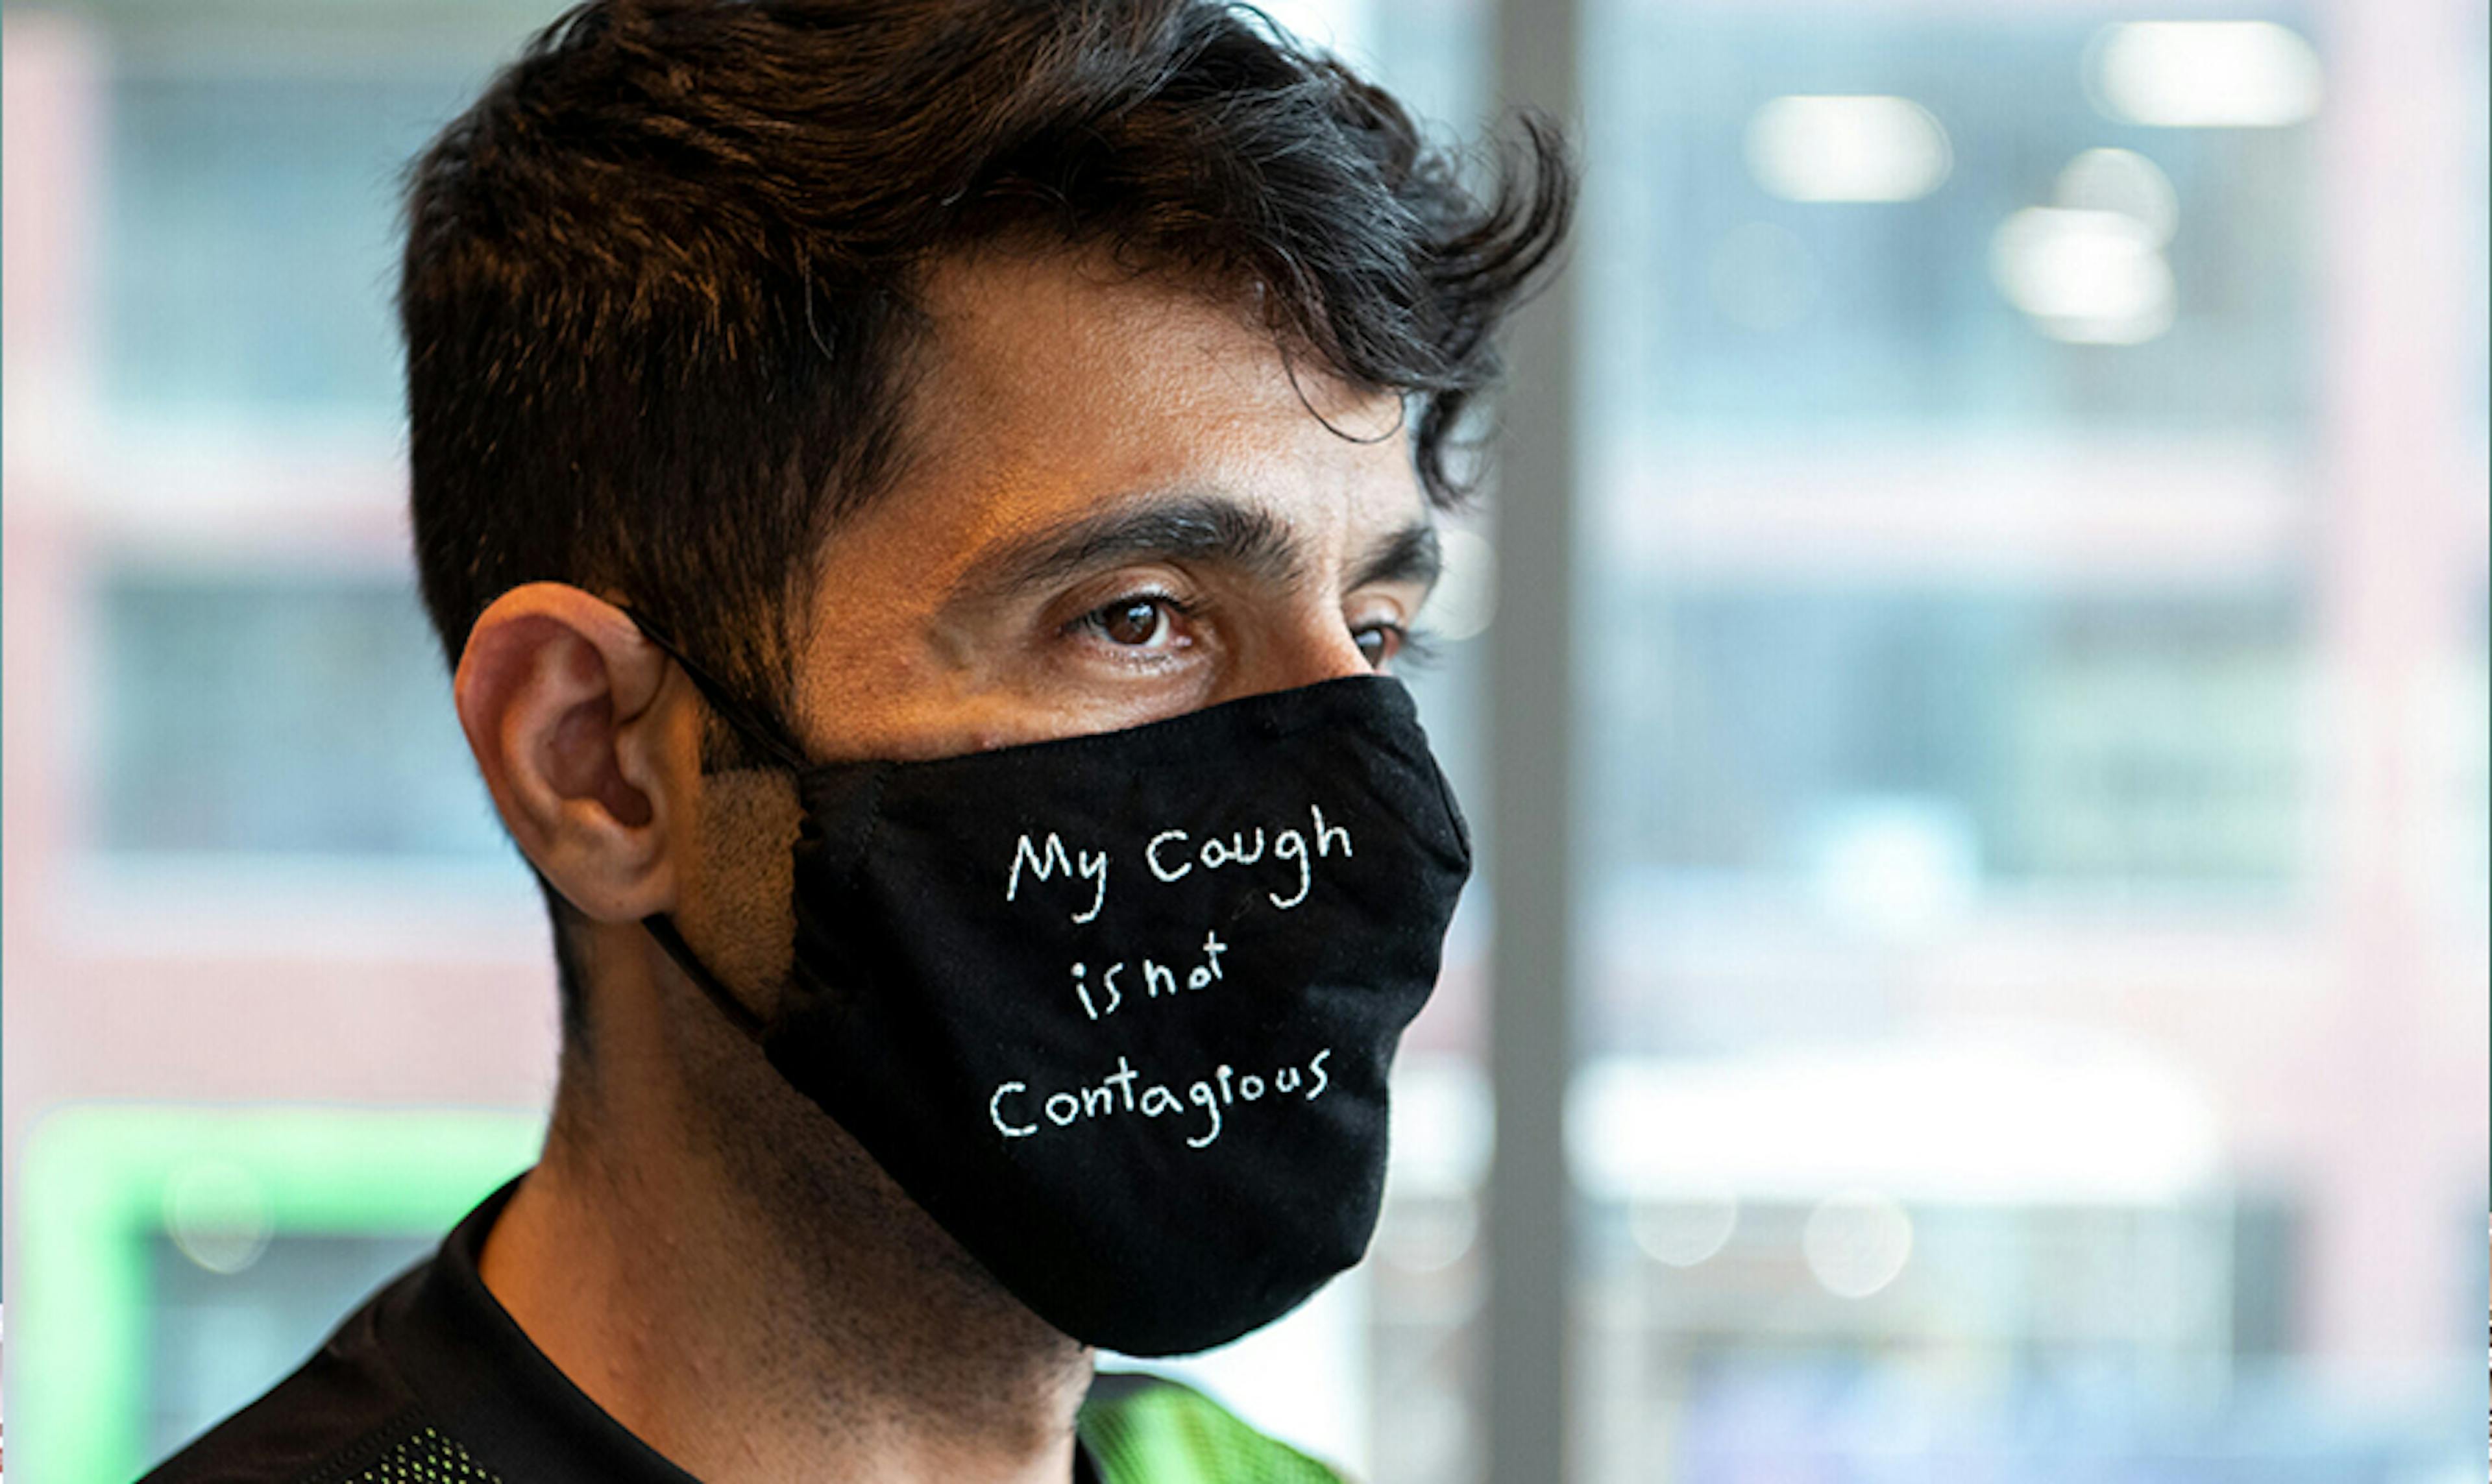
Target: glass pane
(1811,732)
(281,711)
(2017,926)
(254,235)
(1825,220)
(235,1311)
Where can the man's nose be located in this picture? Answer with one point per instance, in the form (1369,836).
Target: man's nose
(1302,652)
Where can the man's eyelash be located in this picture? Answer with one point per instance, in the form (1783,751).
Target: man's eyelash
(1419,647)
(1097,617)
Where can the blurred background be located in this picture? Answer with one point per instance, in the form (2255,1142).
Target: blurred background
(2024,1006)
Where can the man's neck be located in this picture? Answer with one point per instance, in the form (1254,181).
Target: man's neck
(746,1346)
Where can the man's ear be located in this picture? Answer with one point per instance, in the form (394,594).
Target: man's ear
(589,753)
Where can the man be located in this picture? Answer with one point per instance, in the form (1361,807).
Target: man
(916,494)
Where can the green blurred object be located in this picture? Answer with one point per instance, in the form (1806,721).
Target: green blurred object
(1150,1430)
(104,1182)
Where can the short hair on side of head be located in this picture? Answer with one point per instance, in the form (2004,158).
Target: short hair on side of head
(662,281)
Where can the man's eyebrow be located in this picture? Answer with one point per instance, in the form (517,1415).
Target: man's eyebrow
(1177,527)
(1411,554)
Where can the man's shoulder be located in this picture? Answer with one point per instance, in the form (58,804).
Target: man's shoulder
(1150,1430)
(345,1418)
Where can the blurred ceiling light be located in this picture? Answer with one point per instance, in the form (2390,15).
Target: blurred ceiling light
(2089,277)
(2059,1116)
(1684,1231)
(1894,867)
(1848,148)
(1857,1243)
(2124,181)
(2204,75)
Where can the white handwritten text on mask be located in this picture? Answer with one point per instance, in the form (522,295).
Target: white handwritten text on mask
(1115,1094)
(1171,855)
(1157,979)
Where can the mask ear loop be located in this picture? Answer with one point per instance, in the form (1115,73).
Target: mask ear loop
(663,927)
(769,738)
(659,925)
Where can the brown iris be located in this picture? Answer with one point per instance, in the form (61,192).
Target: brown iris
(1136,622)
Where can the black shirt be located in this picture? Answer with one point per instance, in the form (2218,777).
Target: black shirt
(434,1383)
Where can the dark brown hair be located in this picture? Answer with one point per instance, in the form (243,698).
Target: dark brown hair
(659,281)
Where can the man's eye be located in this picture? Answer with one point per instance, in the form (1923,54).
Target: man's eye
(1395,644)
(1134,623)
(1380,642)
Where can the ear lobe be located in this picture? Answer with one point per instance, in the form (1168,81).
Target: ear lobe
(582,743)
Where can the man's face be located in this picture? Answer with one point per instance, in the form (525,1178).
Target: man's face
(1117,509)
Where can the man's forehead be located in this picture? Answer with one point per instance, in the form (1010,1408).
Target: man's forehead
(1055,388)
(1069,347)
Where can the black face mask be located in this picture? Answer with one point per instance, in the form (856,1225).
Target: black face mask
(1117,1010)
